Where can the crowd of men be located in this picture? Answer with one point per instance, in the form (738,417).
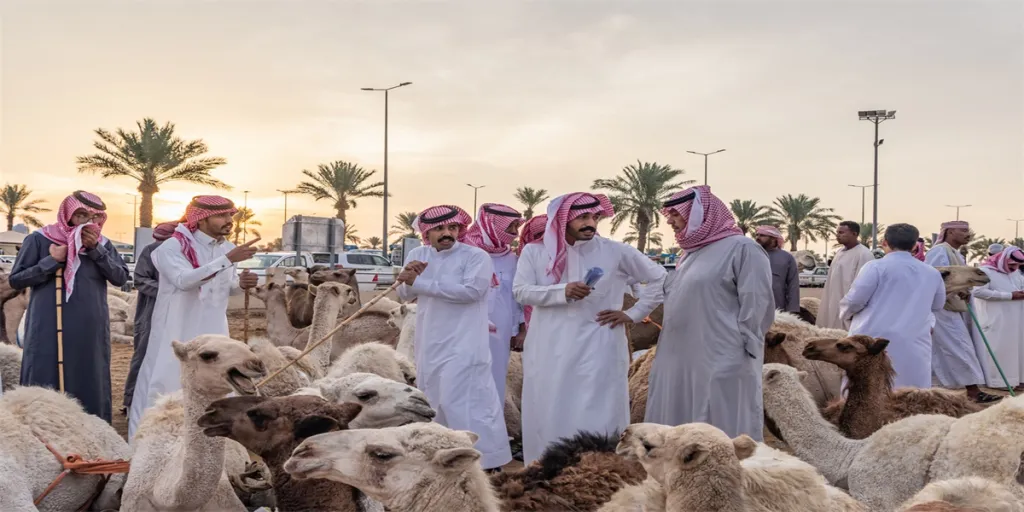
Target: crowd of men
(553,288)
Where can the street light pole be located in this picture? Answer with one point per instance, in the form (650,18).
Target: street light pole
(475,189)
(245,215)
(705,155)
(286,192)
(386,90)
(877,117)
(863,188)
(1016,227)
(958,206)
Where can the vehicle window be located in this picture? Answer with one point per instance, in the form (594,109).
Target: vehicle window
(380,261)
(321,257)
(360,259)
(259,261)
(821,271)
(288,262)
(128,258)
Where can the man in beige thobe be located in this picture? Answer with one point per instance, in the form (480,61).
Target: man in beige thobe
(844,269)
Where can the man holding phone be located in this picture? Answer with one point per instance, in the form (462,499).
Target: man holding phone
(196,266)
(575,358)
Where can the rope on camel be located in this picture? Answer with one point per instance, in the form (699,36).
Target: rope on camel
(329,335)
(648,320)
(74,463)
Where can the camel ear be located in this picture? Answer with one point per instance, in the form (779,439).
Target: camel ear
(945,274)
(775,338)
(346,412)
(180,350)
(402,309)
(802,375)
(878,346)
(312,289)
(350,271)
(315,424)
(473,438)
(456,458)
(745,446)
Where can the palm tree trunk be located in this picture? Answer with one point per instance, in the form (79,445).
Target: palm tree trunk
(341,215)
(146,210)
(793,240)
(642,227)
(10,221)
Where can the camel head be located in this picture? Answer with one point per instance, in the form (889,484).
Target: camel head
(695,452)
(384,462)
(639,438)
(781,385)
(274,426)
(775,349)
(845,352)
(334,293)
(397,316)
(276,275)
(805,260)
(386,403)
(339,275)
(962,278)
(298,274)
(217,365)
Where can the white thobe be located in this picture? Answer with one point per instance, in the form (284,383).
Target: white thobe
(845,266)
(955,362)
(1002,321)
(505,313)
(453,356)
(186,307)
(718,304)
(574,369)
(894,298)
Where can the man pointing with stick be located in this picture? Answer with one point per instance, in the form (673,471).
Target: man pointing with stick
(197,275)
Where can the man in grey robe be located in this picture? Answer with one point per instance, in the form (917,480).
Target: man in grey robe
(718,306)
(89,261)
(147,281)
(785,275)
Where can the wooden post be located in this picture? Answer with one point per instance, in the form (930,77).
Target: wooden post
(245,321)
(60,327)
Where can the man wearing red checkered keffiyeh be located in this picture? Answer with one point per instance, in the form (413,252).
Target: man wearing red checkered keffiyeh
(1000,309)
(451,281)
(578,329)
(197,275)
(718,307)
(495,229)
(75,246)
(532,232)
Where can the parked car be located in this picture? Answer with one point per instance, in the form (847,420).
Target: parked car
(129,259)
(260,262)
(814,278)
(6,258)
(372,269)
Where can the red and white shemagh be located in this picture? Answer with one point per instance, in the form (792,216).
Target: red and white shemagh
(164,230)
(919,250)
(63,233)
(707,218)
(200,208)
(532,231)
(442,215)
(1001,261)
(561,211)
(771,231)
(489,232)
(953,224)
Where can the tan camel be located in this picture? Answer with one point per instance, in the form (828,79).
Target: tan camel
(300,301)
(966,495)
(871,401)
(418,467)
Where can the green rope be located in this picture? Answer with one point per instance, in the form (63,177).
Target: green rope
(985,339)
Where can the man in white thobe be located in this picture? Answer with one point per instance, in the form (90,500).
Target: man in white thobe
(845,265)
(894,298)
(495,228)
(955,362)
(718,305)
(576,358)
(453,356)
(1000,310)
(197,275)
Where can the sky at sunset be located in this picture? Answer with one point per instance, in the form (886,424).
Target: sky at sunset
(549,94)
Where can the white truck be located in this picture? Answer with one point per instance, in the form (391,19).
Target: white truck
(372,271)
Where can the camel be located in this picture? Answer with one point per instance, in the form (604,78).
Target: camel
(805,260)
(418,467)
(897,461)
(11,314)
(966,495)
(811,304)
(300,303)
(871,401)
(32,416)
(403,318)
(377,358)
(10,366)
(577,473)
(961,278)
(271,428)
(382,399)
(643,335)
(175,466)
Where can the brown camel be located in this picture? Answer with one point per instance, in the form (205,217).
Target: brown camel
(300,301)
(871,402)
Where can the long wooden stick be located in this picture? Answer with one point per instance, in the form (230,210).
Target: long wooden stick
(245,321)
(60,327)
(309,348)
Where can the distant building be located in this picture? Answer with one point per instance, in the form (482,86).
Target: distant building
(10,242)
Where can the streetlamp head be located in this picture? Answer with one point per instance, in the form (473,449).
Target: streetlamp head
(720,150)
(367,89)
(403,84)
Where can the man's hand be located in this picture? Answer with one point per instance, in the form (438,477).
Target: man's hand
(89,238)
(577,291)
(1017,296)
(516,343)
(247,280)
(412,270)
(243,252)
(416,266)
(613,318)
(59,252)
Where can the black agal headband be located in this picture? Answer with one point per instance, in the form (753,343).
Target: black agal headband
(80,195)
(515,215)
(452,212)
(678,201)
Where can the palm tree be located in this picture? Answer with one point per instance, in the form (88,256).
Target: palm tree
(750,214)
(654,238)
(374,242)
(530,198)
(1017,242)
(242,221)
(403,226)
(978,249)
(14,202)
(802,216)
(637,195)
(865,234)
(341,182)
(352,234)
(151,156)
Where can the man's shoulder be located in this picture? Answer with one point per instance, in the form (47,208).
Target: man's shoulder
(472,251)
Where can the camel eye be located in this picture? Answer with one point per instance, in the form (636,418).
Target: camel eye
(648,446)
(690,457)
(208,355)
(258,420)
(365,395)
(382,456)
(843,347)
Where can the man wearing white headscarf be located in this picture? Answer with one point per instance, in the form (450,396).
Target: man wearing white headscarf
(575,358)
(1000,309)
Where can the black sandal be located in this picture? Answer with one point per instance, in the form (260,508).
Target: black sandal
(985,398)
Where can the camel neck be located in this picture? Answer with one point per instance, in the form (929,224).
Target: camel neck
(868,393)
(294,495)
(203,461)
(469,492)
(325,319)
(811,437)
